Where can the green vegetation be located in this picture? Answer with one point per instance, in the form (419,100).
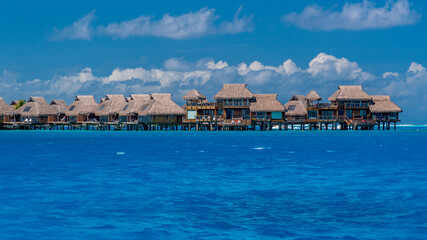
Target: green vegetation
(20,103)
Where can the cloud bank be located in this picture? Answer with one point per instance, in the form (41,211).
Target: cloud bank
(355,16)
(190,25)
(323,73)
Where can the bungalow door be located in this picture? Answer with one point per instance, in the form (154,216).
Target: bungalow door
(229,113)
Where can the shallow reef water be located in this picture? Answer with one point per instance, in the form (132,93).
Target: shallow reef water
(213,185)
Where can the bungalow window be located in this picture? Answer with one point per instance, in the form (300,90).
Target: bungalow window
(102,107)
(235,102)
(357,104)
(327,114)
(363,113)
(291,107)
(276,115)
(126,107)
(393,115)
(27,109)
(312,115)
(261,115)
(71,108)
(191,114)
(245,113)
(239,102)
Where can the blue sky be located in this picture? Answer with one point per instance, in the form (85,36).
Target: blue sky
(59,49)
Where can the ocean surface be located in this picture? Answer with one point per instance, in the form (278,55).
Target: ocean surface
(214,185)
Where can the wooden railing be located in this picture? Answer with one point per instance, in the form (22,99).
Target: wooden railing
(205,104)
(261,118)
(209,118)
(237,121)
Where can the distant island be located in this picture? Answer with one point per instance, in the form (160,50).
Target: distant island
(235,108)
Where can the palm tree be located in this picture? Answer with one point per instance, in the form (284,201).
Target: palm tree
(20,103)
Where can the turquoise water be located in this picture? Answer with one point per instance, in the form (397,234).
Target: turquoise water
(213,185)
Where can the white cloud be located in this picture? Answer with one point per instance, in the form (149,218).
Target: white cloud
(416,74)
(416,68)
(119,75)
(355,16)
(330,67)
(219,65)
(80,29)
(179,27)
(189,25)
(288,67)
(390,74)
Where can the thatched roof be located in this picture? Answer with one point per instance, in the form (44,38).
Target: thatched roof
(234,91)
(5,109)
(194,95)
(35,106)
(162,104)
(266,103)
(59,106)
(135,104)
(313,96)
(345,93)
(296,108)
(111,104)
(383,104)
(83,104)
(298,98)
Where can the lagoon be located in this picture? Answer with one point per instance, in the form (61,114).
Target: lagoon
(214,185)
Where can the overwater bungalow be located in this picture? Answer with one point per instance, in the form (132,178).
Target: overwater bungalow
(59,107)
(36,111)
(384,111)
(296,110)
(351,106)
(110,107)
(313,100)
(267,111)
(82,109)
(161,111)
(198,110)
(233,102)
(5,111)
(134,108)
